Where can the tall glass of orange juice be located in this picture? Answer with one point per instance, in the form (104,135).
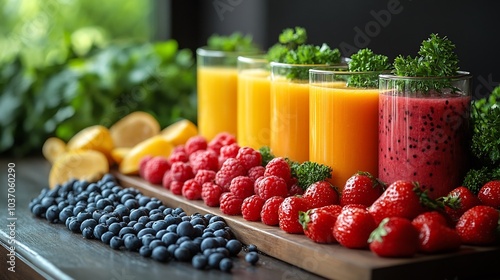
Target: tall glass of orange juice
(253,122)
(217,77)
(343,124)
(290,110)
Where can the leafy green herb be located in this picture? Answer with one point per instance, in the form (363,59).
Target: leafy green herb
(477,177)
(309,172)
(266,154)
(365,60)
(437,58)
(232,43)
(292,49)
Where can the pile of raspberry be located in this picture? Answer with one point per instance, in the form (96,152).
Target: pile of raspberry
(224,175)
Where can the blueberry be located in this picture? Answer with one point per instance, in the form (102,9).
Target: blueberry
(147,239)
(74,226)
(61,205)
(198,221)
(126,197)
(159,225)
(208,216)
(82,216)
(251,248)
(143,219)
(160,254)
(155,211)
(207,234)
(234,246)
(107,193)
(47,201)
(108,177)
(99,230)
(116,242)
(182,239)
(222,233)
(143,200)
(224,251)
(171,220)
(149,224)
(160,233)
(109,208)
(90,223)
(137,226)
(145,251)
(97,214)
(182,254)
(214,259)
(177,211)
(132,243)
(112,220)
(167,211)
(52,214)
(126,230)
(191,246)
(214,219)
(126,219)
(88,233)
(208,243)
(221,240)
(104,218)
(185,228)
(169,238)
(136,214)
(252,257)
(226,264)
(145,231)
(131,203)
(92,187)
(155,243)
(153,204)
(171,248)
(217,225)
(172,228)
(122,210)
(156,216)
(199,261)
(185,218)
(115,228)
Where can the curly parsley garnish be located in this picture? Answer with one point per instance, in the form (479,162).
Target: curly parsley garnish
(365,60)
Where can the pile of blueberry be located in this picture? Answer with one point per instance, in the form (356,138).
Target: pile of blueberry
(125,218)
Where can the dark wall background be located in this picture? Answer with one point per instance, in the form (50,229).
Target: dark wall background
(390,27)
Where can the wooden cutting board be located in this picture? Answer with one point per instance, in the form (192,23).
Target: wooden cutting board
(334,261)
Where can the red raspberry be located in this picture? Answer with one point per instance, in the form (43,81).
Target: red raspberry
(142,164)
(269,212)
(210,193)
(241,187)
(204,160)
(256,185)
(279,167)
(155,168)
(295,190)
(179,148)
(220,140)
(231,169)
(272,186)
(167,179)
(256,172)
(230,204)
(288,214)
(176,187)
(249,157)
(204,176)
(191,190)
(180,156)
(181,171)
(195,143)
(251,207)
(229,151)
(320,194)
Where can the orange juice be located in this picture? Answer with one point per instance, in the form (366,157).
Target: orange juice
(290,119)
(253,108)
(217,87)
(344,129)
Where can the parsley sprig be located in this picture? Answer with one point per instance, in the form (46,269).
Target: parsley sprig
(365,60)
(235,42)
(292,49)
(437,58)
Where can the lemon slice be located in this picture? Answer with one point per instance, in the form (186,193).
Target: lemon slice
(154,146)
(89,165)
(179,132)
(52,148)
(133,129)
(119,153)
(96,137)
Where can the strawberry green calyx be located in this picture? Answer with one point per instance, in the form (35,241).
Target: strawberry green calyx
(304,218)
(375,181)
(425,200)
(379,232)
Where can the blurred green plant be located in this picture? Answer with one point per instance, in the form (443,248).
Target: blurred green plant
(77,78)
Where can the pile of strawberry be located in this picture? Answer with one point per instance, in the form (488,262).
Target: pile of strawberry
(398,220)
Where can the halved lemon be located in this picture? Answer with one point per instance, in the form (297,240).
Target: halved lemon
(119,153)
(52,148)
(154,146)
(96,137)
(179,132)
(133,129)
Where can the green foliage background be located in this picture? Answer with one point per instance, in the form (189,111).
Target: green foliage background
(68,64)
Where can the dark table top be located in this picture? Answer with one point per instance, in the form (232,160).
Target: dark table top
(50,251)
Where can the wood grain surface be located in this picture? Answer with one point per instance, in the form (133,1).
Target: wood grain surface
(332,260)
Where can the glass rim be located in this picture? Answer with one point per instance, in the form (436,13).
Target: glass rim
(211,52)
(459,76)
(346,72)
(289,65)
(253,58)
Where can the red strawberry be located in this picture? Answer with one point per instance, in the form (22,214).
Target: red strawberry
(318,223)
(320,194)
(256,172)
(479,225)
(279,167)
(400,199)
(231,169)
(191,190)
(458,201)
(249,157)
(230,204)
(270,186)
(269,212)
(204,160)
(142,164)
(242,187)
(394,237)
(288,214)
(155,168)
(489,194)
(204,176)
(251,208)
(210,193)
(434,234)
(361,188)
(353,227)
(181,171)
(220,140)
(195,143)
